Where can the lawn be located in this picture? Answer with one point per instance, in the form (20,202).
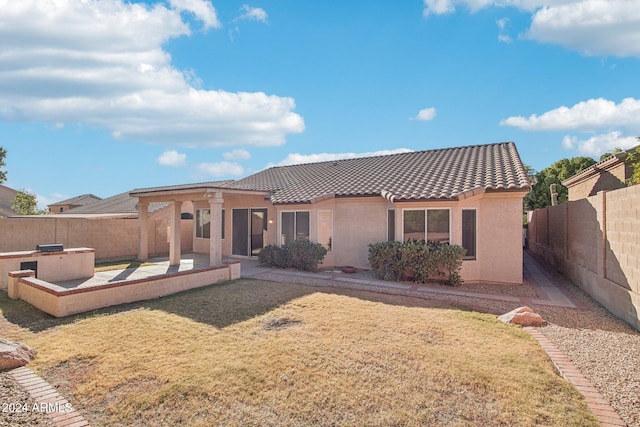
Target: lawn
(261,353)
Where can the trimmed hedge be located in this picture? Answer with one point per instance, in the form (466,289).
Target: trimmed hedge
(419,261)
(299,254)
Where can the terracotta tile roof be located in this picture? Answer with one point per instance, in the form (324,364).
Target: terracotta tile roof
(448,173)
(82,200)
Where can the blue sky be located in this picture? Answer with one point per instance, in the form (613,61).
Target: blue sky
(104,96)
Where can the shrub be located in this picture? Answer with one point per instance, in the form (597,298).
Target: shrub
(384,259)
(417,260)
(300,254)
(305,255)
(274,256)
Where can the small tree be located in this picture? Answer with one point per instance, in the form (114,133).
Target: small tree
(540,195)
(3,173)
(25,203)
(634,159)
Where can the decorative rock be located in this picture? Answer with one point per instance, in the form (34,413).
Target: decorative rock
(522,316)
(15,354)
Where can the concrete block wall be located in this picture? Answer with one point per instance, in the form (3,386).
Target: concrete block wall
(601,253)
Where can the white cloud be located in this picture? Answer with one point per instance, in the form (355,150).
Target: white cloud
(172,158)
(101,64)
(253,14)
(603,119)
(503,26)
(426,114)
(296,158)
(599,144)
(220,169)
(593,27)
(588,116)
(237,154)
(202,9)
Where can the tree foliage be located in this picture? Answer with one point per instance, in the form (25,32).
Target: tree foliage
(3,173)
(540,195)
(634,159)
(25,203)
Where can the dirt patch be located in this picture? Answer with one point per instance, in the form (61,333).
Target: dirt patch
(278,323)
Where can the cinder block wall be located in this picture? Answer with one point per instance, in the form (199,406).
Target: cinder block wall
(110,237)
(595,242)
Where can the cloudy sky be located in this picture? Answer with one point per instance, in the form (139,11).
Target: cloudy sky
(104,96)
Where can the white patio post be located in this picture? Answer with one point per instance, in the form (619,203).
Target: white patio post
(175,234)
(143,230)
(215,239)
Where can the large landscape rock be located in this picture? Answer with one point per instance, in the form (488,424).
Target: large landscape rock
(523,316)
(14,354)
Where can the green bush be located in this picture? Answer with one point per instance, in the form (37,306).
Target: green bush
(417,260)
(300,254)
(384,259)
(305,255)
(274,256)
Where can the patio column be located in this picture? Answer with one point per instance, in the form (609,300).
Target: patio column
(215,239)
(175,234)
(143,230)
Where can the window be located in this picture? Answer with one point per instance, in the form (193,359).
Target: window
(325,229)
(203,223)
(222,219)
(294,226)
(469,233)
(391,225)
(438,225)
(426,224)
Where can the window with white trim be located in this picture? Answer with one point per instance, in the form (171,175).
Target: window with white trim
(203,223)
(432,225)
(325,229)
(294,226)
(469,233)
(391,225)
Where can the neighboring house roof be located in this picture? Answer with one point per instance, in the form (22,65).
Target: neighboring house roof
(7,195)
(82,200)
(119,204)
(603,165)
(448,173)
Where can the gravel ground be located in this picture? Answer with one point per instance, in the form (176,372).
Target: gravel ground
(12,395)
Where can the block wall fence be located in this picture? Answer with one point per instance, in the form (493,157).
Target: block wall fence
(595,243)
(112,238)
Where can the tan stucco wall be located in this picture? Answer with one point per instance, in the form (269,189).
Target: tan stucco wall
(595,242)
(499,238)
(611,179)
(60,302)
(73,263)
(110,237)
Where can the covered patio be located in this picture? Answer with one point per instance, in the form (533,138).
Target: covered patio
(213,193)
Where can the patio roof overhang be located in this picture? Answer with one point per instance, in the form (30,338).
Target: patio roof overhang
(188,193)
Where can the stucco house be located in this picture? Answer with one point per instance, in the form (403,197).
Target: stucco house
(608,174)
(470,196)
(74,202)
(7,196)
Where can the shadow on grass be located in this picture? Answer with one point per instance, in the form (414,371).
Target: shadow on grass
(218,305)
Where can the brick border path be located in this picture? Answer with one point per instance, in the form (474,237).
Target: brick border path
(43,393)
(595,401)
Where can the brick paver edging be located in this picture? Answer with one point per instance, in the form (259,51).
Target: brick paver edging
(57,408)
(595,401)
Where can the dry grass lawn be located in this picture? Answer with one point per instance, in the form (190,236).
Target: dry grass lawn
(262,353)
